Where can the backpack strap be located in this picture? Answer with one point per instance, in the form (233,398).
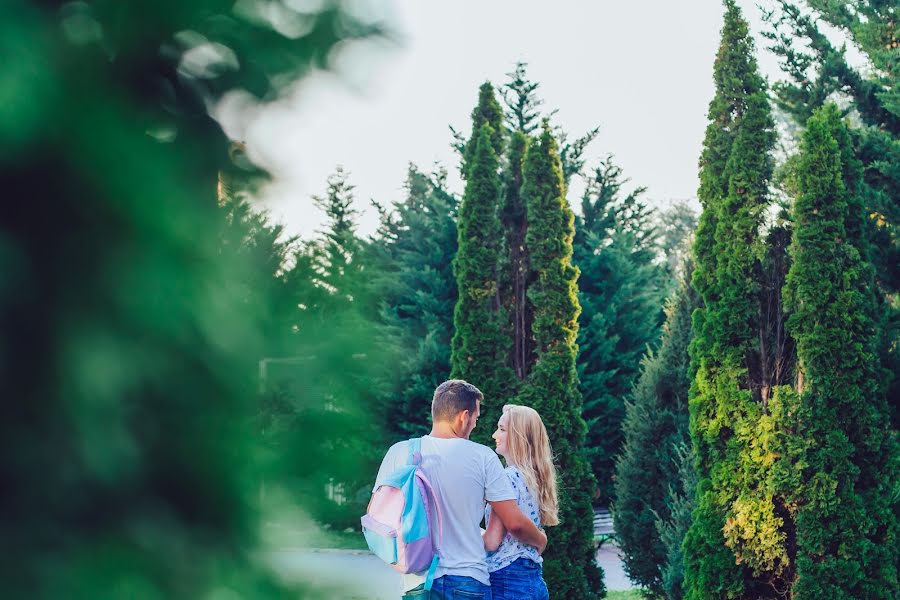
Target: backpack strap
(414,457)
(429,578)
(437,508)
(414,452)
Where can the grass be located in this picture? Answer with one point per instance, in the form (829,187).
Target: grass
(628,595)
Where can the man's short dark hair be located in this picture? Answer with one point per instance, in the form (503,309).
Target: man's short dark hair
(452,397)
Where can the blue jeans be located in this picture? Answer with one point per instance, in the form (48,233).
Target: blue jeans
(520,580)
(453,587)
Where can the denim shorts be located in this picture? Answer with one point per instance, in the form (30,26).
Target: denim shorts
(451,587)
(520,580)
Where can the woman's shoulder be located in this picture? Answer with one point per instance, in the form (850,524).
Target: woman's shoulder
(515,476)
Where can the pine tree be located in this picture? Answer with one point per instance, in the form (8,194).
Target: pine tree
(331,369)
(338,256)
(844,462)
(250,237)
(480,349)
(523,112)
(417,291)
(621,291)
(650,468)
(736,546)
(551,387)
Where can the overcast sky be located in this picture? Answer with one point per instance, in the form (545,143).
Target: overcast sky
(642,71)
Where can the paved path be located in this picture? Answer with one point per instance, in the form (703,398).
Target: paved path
(359,575)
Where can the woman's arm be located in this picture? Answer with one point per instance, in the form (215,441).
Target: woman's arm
(493,536)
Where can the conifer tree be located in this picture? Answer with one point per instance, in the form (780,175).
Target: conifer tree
(736,546)
(818,71)
(486,111)
(514,266)
(649,470)
(522,117)
(844,461)
(522,102)
(337,256)
(480,344)
(480,349)
(621,291)
(332,362)
(417,292)
(551,387)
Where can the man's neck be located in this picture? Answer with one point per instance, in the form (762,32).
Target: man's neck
(444,430)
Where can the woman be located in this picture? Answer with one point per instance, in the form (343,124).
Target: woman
(522,441)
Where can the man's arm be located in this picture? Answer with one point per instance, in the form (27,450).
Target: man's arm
(516,523)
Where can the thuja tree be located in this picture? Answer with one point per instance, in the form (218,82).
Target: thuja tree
(817,71)
(648,471)
(736,546)
(551,386)
(480,348)
(844,460)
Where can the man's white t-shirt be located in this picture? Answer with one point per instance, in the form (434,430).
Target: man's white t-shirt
(464,475)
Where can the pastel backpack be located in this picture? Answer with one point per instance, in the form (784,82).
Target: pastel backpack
(402,524)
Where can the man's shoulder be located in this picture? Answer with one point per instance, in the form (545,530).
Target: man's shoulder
(478,449)
(398,446)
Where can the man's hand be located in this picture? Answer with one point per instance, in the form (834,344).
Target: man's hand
(520,526)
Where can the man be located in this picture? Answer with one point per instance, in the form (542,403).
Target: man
(465,475)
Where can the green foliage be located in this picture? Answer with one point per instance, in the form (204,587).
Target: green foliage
(844,460)
(676,226)
(131,326)
(673,530)
(325,374)
(621,291)
(650,471)
(819,72)
(737,542)
(513,278)
(522,102)
(551,387)
(486,112)
(416,289)
(480,349)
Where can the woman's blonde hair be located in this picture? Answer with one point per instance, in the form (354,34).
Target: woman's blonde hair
(528,449)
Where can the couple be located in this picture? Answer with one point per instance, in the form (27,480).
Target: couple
(505,561)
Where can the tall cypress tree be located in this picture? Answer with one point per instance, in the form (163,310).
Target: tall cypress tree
(818,71)
(736,545)
(551,387)
(649,469)
(487,111)
(479,347)
(844,461)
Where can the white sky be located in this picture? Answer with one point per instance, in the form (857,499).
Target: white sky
(642,71)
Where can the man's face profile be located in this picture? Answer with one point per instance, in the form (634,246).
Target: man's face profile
(472,420)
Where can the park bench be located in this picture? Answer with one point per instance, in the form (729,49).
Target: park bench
(603,526)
